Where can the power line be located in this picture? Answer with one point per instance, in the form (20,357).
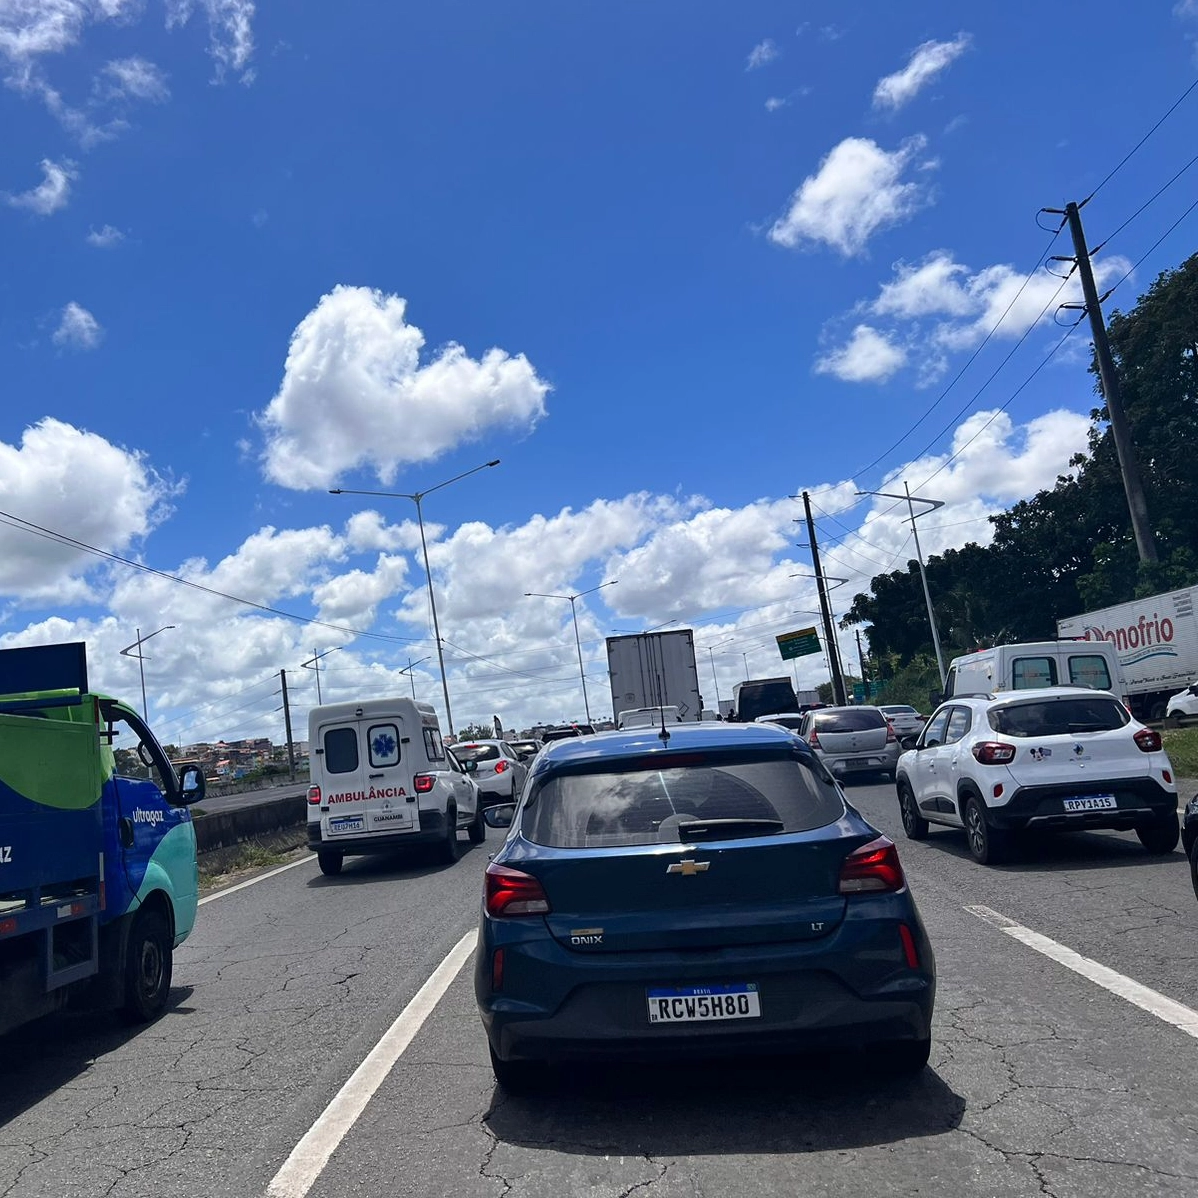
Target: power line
(49,534)
(1153,246)
(1151,199)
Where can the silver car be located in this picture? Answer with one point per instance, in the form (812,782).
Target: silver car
(852,741)
(905,719)
(500,773)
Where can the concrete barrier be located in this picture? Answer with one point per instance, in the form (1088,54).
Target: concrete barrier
(224,829)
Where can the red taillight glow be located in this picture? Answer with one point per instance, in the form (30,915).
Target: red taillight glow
(509,892)
(872,868)
(998,790)
(909,951)
(1148,741)
(994,752)
(813,739)
(497,970)
(423,783)
(500,766)
(890,736)
(314,795)
(1168,777)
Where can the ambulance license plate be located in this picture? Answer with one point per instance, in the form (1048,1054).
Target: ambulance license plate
(347,823)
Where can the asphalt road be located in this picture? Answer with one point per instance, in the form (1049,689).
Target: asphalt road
(1042,1082)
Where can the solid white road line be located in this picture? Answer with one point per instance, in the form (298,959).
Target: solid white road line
(1141,996)
(309,1157)
(253,881)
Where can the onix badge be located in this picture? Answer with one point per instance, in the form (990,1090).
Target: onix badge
(688,868)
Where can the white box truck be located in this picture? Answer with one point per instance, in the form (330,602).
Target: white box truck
(1157,643)
(654,669)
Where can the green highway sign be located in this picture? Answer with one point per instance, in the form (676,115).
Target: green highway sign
(801,643)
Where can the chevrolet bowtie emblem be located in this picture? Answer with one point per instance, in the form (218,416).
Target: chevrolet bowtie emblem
(688,868)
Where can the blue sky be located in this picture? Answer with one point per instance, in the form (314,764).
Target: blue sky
(671,263)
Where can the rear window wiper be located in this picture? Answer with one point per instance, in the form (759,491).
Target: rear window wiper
(722,829)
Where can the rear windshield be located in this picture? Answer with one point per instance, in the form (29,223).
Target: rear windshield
(898,710)
(849,721)
(475,752)
(787,721)
(1059,717)
(601,810)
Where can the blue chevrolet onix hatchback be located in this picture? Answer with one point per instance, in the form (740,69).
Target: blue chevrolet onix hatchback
(708,891)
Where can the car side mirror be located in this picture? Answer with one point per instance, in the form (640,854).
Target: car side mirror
(191,784)
(909,742)
(470,767)
(499,816)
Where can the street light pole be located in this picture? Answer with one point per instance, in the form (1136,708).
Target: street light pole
(933,504)
(313,663)
(417,497)
(127,651)
(412,677)
(715,677)
(577,642)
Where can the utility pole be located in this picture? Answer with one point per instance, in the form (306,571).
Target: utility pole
(825,611)
(1133,485)
(287,723)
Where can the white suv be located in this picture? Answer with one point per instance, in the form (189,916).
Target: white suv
(1061,757)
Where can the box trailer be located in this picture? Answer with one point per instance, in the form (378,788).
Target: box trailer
(655,669)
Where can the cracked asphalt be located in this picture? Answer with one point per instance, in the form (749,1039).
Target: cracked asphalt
(1040,1083)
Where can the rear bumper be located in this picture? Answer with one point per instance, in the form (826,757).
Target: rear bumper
(432,830)
(861,763)
(562,1005)
(1140,801)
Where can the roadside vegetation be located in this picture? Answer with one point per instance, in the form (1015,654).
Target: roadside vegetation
(1182,746)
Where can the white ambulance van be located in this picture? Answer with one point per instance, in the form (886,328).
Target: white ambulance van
(383,779)
(1035,664)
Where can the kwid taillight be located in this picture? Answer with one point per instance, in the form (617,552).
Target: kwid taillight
(423,783)
(314,795)
(994,752)
(890,736)
(1148,741)
(510,892)
(813,739)
(500,766)
(873,868)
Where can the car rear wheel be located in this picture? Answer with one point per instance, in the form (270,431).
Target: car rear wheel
(478,826)
(986,843)
(1194,867)
(449,846)
(518,1077)
(905,1056)
(330,863)
(1161,836)
(914,824)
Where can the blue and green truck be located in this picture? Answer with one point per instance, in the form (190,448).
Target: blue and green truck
(98,877)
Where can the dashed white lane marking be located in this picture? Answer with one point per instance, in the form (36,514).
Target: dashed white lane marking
(1179,1016)
(309,1157)
(211,898)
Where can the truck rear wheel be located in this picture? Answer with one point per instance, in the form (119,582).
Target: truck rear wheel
(148,966)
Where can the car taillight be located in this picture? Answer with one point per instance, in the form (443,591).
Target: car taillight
(314,795)
(510,892)
(423,783)
(500,766)
(872,868)
(890,736)
(497,969)
(1148,741)
(994,752)
(909,951)
(813,739)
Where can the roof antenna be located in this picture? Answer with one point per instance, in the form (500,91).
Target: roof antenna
(661,711)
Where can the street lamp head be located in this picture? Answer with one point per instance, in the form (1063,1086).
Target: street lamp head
(494,463)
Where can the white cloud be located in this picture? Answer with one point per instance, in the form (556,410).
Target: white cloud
(774,103)
(367,532)
(52,193)
(78,328)
(925,64)
(354,393)
(53,478)
(353,598)
(230,28)
(857,191)
(764,52)
(133,78)
(867,357)
(105,238)
(931,287)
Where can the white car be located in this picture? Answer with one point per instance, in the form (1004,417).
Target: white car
(1182,704)
(498,771)
(1058,757)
